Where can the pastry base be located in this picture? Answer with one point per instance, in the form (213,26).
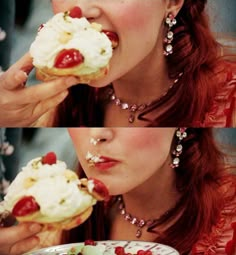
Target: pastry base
(46,74)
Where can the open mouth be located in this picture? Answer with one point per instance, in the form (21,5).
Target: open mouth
(113,38)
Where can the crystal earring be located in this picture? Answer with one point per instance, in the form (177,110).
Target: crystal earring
(170,22)
(180,134)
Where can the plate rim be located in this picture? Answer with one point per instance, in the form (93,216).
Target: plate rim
(101,242)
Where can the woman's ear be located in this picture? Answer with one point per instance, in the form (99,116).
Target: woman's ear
(174,6)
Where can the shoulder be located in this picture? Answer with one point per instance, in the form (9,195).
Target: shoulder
(222,238)
(223,110)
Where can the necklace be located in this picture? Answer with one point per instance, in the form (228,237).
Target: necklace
(139,223)
(134,108)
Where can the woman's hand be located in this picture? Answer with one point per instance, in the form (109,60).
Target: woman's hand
(19,239)
(23,106)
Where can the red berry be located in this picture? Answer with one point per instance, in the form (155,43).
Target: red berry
(50,158)
(25,206)
(100,188)
(141,252)
(113,37)
(89,242)
(148,253)
(68,58)
(119,250)
(76,12)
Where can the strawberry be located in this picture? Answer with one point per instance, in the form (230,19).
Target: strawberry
(68,58)
(25,206)
(89,242)
(141,252)
(113,37)
(100,189)
(119,250)
(76,12)
(50,158)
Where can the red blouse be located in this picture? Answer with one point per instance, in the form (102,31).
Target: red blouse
(222,239)
(223,110)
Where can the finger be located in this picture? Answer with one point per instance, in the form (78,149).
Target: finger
(48,104)
(25,63)
(15,234)
(24,246)
(17,74)
(13,79)
(46,90)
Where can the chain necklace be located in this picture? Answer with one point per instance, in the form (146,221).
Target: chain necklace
(134,108)
(139,223)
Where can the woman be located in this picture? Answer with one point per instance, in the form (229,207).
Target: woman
(176,183)
(166,71)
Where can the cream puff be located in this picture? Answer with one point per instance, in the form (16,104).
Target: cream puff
(68,44)
(46,192)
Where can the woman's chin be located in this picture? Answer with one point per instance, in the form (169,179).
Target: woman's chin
(103,82)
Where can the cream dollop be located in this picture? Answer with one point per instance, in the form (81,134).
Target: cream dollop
(54,187)
(63,32)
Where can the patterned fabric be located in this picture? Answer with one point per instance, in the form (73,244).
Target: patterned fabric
(223,110)
(222,239)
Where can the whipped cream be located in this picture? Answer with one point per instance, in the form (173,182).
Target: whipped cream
(98,249)
(63,32)
(54,187)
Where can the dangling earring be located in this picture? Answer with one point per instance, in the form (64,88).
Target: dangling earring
(181,134)
(168,47)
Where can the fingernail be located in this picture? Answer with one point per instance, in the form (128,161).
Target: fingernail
(71,80)
(34,228)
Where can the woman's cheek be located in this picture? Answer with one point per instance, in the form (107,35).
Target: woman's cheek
(131,18)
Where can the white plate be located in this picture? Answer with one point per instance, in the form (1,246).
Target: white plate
(132,246)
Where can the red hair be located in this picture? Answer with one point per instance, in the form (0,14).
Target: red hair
(200,179)
(195,54)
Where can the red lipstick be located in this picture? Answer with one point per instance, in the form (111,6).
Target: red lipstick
(105,163)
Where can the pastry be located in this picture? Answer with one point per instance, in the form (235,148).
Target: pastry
(68,44)
(45,191)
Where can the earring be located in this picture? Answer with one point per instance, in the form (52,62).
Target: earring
(180,134)
(168,47)
(94,141)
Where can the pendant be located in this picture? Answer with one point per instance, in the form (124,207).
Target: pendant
(139,233)
(131,118)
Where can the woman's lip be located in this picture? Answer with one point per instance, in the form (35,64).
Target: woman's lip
(105,163)
(113,37)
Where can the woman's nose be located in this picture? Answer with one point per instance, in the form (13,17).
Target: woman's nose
(90,9)
(100,135)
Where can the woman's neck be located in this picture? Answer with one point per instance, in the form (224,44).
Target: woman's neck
(155,197)
(145,83)
(148,202)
